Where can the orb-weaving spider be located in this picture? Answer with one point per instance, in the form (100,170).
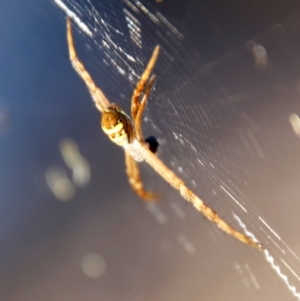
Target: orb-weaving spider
(128,134)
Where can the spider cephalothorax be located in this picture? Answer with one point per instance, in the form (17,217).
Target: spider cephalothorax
(128,134)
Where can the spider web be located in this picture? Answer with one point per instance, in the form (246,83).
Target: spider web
(221,114)
(224,110)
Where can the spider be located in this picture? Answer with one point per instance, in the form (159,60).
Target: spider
(127,133)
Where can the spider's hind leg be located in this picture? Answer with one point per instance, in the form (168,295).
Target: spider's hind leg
(135,181)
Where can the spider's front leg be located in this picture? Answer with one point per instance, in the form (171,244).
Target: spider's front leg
(144,85)
(124,132)
(142,105)
(98,96)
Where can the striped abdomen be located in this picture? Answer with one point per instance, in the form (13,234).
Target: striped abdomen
(117,125)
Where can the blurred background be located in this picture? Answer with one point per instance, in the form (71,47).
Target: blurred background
(225,111)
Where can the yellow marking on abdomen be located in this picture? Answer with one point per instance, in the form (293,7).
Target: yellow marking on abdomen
(117,128)
(120,140)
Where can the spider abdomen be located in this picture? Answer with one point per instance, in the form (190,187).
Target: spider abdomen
(117,125)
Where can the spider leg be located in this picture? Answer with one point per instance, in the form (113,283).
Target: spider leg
(170,177)
(142,106)
(140,86)
(214,217)
(133,173)
(98,96)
